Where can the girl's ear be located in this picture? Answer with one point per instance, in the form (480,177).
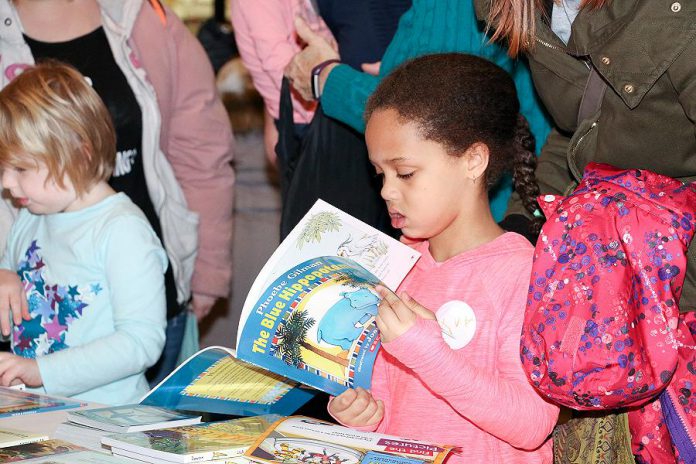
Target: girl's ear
(476,160)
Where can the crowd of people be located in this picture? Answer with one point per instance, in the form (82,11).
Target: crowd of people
(441,122)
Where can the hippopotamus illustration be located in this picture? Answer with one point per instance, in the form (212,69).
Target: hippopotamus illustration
(344,321)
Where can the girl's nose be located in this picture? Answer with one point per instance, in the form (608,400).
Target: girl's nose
(388,191)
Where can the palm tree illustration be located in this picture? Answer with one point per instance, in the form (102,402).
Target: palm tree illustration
(292,335)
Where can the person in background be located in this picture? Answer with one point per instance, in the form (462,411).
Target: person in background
(429,26)
(619,80)
(265,34)
(441,130)
(82,266)
(173,138)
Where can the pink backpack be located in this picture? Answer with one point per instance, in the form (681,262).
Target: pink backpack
(602,311)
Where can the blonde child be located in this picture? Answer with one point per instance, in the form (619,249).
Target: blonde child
(82,277)
(441,130)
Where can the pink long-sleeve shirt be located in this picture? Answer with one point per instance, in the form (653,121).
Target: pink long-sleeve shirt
(266,39)
(477,396)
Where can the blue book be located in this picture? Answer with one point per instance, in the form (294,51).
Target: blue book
(310,313)
(16,402)
(214,380)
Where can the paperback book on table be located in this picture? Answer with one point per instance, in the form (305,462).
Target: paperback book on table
(303,440)
(15,437)
(38,449)
(194,443)
(86,427)
(16,402)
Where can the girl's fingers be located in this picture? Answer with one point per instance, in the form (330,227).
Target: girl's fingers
(416,307)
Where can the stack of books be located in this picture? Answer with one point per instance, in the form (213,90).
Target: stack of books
(87,427)
(212,442)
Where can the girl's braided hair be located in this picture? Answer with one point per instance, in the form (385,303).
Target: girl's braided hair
(458,100)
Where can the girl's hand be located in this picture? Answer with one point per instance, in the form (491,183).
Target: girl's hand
(16,369)
(13,301)
(357,408)
(395,316)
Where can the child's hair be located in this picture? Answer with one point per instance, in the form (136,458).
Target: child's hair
(458,100)
(50,114)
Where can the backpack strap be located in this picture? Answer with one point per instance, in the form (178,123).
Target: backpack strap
(159,9)
(592,96)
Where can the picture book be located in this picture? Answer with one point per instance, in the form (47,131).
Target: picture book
(310,313)
(303,440)
(81,457)
(214,380)
(37,450)
(151,460)
(14,437)
(131,418)
(193,443)
(16,402)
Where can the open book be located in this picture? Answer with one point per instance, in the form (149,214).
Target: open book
(302,440)
(310,313)
(309,317)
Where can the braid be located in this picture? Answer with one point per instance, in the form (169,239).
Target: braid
(524,163)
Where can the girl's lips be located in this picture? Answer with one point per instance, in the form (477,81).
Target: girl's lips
(397,220)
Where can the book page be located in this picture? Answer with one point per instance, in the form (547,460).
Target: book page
(328,231)
(213,380)
(228,379)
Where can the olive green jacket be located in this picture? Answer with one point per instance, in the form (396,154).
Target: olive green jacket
(645,50)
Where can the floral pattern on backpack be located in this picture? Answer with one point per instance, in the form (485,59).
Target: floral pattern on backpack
(602,311)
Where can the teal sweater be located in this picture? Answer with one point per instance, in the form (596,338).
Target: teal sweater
(434,26)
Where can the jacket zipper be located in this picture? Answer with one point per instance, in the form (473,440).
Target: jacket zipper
(551,46)
(571,164)
(686,432)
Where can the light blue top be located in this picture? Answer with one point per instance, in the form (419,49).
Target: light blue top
(562,16)
(94,280)
(436,26)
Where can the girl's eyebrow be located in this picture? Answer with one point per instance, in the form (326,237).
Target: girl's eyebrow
(396,160)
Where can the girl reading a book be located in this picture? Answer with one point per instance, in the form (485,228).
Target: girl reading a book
(441,130)
(82,276)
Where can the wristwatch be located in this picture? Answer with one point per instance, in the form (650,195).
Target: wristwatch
(316,71)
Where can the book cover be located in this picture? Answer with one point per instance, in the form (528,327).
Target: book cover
(194,443)
(310,313)
(82,457)
(131,418)
(16,402)
(303,440)
(151,460)
(37,450)
(214,380)
(14,437)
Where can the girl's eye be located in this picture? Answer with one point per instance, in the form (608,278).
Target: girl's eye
(405,175)
(19,169)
